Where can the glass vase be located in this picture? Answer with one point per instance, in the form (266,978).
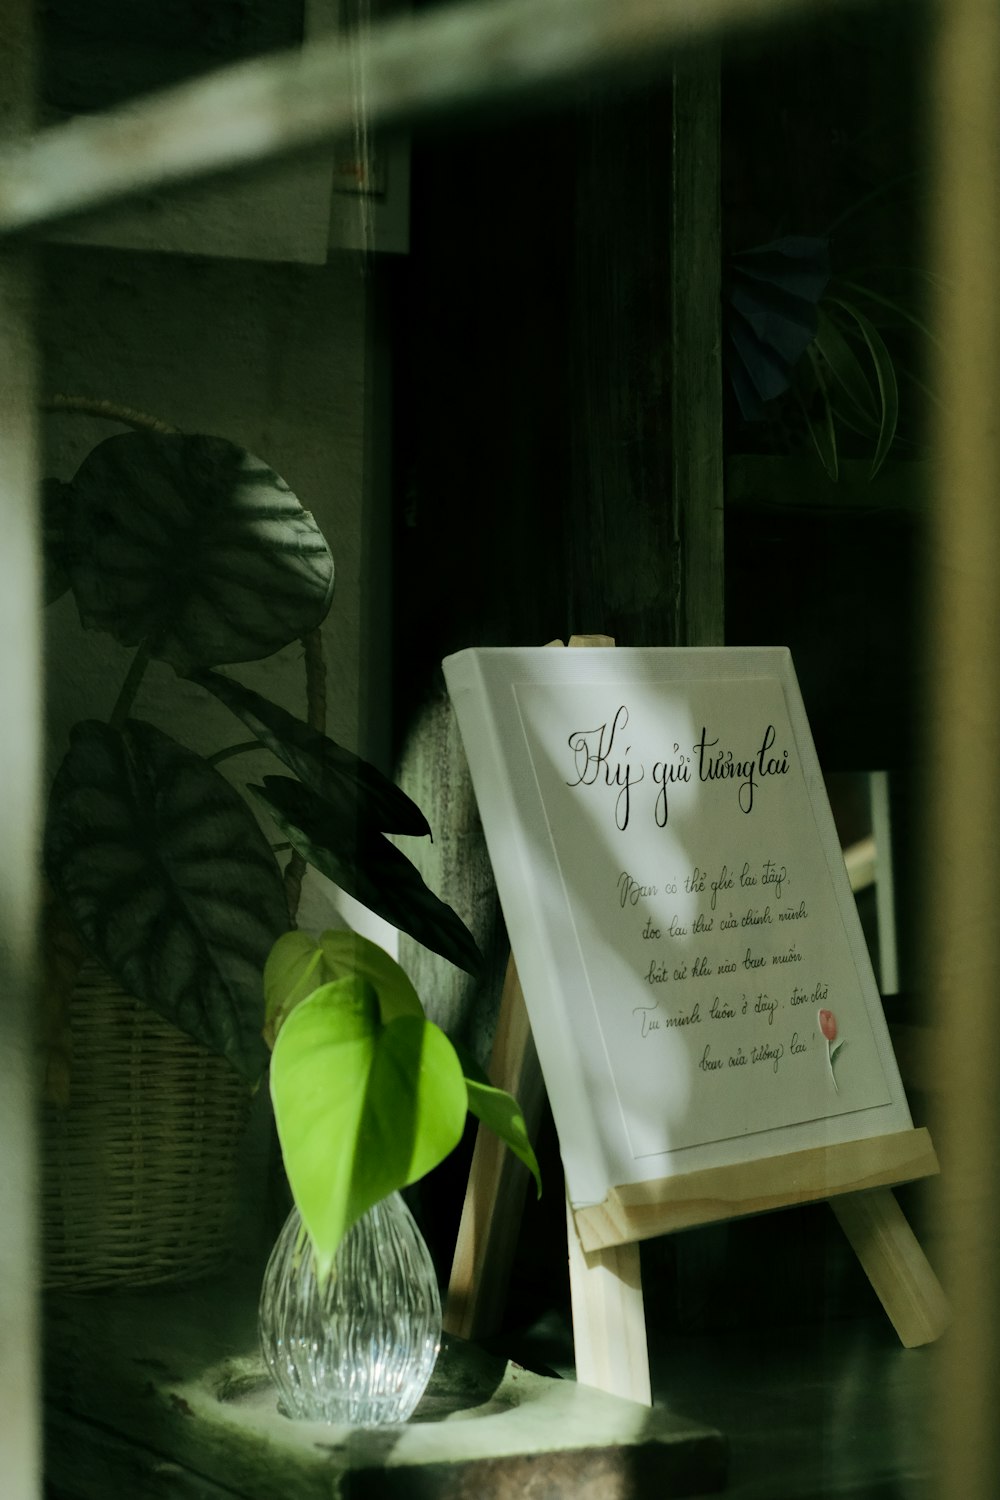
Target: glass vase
(361,1348)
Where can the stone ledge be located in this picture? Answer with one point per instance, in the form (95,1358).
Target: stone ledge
(164,1394)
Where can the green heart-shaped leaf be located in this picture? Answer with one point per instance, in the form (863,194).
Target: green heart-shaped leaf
(370,869)
(499,1112)
(361,1108)
(298,964)
(167,877)
(294,969)
(354,791)
(347,953)
(195,547)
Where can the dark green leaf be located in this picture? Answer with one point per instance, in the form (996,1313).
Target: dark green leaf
(845,368)
(822,431)
(195,547)
(892,305)
(369,868)
(885,373)
(355,791)
(169,880)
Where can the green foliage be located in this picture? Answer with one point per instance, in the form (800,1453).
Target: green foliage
(352,792)
(368,1094)
(196,553)
(499,1112)
(366,865)
(169,879)
(195,549)
(298,965)
(849,381)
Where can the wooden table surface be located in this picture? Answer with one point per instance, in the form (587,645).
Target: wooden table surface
(824,1410)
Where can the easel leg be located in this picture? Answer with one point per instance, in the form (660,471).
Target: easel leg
(894,1263)
(609,1320)
(494,1199)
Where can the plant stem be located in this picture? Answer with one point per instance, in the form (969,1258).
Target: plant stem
(130,686)
(315,680)
(316,719)
(128,416)
(231,750)
(87,406)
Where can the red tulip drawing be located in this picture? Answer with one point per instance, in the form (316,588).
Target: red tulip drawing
(828,1026)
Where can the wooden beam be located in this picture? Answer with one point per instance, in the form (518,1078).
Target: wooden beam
(622,563)
(20,758)
(455,57)
(696,347)
(641,1210)
(609,1318)
(895,1265)
(961,867)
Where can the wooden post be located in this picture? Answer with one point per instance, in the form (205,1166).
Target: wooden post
(20,758)
(696,347)
(609,1317)
(961,870)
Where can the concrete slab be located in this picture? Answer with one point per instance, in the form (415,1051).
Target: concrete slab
(165,1394)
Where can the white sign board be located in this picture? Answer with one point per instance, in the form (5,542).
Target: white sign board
(697,980)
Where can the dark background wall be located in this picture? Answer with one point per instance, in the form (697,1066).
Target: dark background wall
(534,477)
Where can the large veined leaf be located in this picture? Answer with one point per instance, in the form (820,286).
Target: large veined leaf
(361,1108)
(195,547)
(370,868)
(298,964)
(355,791)
(499,1112)
(169,880)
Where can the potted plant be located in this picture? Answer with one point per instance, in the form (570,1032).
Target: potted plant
(194,553)
(369,1096)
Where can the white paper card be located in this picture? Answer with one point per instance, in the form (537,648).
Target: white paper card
(693,965)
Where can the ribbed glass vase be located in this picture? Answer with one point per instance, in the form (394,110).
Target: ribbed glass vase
(360,1349)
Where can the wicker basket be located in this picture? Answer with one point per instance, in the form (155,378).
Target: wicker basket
(140,1172)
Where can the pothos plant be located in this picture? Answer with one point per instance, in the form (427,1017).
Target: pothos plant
(196,554)
(369,1095)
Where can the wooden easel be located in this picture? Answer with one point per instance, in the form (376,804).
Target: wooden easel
(609,1328)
